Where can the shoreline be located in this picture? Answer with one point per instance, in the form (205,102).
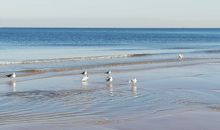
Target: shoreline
(185,92)
(151,64)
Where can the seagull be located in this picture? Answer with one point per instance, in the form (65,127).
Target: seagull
(133,81)
(85,78)
(108,72)
(13,75)
(180,56)
(109,79)
(85,72)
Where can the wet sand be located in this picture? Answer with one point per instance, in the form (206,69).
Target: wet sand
(177,96)
(191,120)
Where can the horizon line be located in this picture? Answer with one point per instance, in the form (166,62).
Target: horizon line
(33,27)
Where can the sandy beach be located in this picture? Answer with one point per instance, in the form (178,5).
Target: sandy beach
(199,120)
(177,95)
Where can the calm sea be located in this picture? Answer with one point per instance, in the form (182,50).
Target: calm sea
(40,45)
(48,63)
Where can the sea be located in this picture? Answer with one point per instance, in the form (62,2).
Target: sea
(30,47)
(48,63)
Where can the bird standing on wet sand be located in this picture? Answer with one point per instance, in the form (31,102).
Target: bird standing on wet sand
(85,72)
(180,56)
(109,79)
(85,78)
(133,81)
(108,72)
(13,75)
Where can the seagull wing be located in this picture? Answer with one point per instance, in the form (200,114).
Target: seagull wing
(8,75)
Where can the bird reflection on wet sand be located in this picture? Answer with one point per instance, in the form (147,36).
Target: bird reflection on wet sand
(134,90)
(110,88)
(84,85)
(12,84)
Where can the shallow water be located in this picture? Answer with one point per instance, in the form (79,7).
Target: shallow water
(64,99)
(48,63)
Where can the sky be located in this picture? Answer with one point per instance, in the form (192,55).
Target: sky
(110,13)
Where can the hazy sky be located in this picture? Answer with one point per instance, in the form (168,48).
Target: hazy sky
(110,13)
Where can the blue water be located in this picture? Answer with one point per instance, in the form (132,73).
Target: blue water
(48,63)
(28,46)
(147,38)
(112,38)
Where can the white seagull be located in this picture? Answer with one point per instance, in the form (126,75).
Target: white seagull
(108,72)
(85,78)
(85,72)
(13,75)
(180,56)
(109,79)
(133,81)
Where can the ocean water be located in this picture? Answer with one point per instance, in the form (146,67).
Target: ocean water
(48,63)
(28,46)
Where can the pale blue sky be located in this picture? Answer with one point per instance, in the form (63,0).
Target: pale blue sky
(110,13)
